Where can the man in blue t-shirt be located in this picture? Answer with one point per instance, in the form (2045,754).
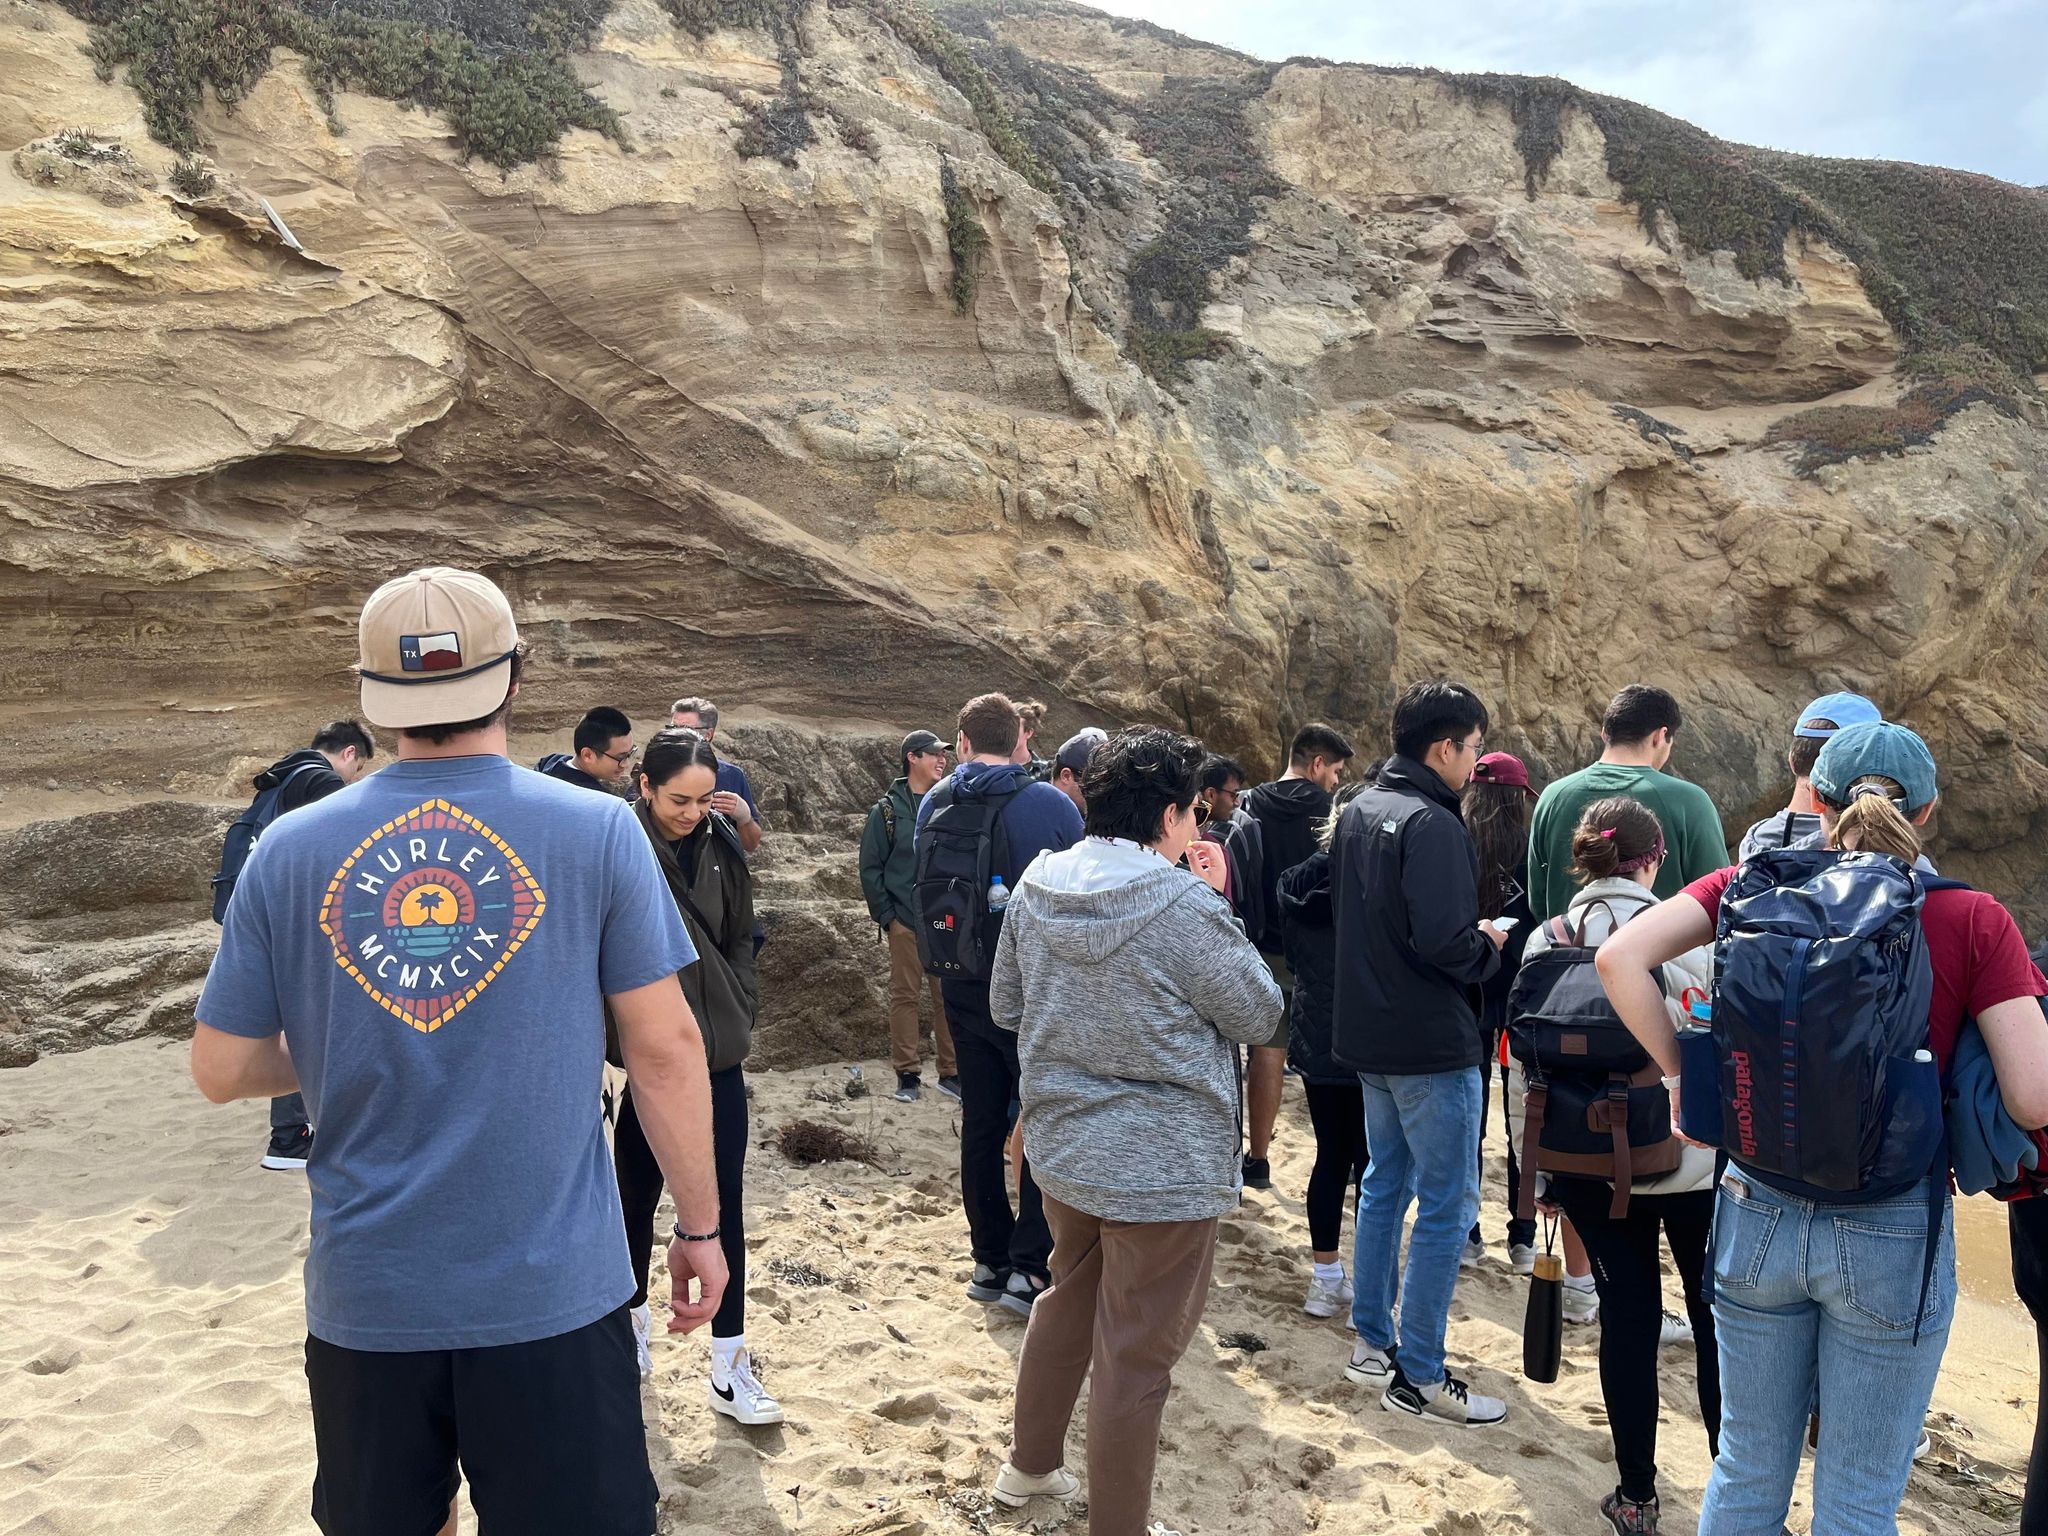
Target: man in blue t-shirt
(1012,1254)
(427,956)
(734,799)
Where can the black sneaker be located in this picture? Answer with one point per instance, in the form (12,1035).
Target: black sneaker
(1258,1173)
(908,1087)
(950,1086)
(1022,1291)
(290,1146)
(988,1285)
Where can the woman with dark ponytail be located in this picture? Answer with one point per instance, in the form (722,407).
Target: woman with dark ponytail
(701,858)
(1617,849)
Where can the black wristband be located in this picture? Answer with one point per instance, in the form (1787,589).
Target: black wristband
(695,1237)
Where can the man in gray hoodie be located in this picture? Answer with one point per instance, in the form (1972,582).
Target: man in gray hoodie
(1130,985)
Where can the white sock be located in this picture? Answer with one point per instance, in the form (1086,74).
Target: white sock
(1580,1282)
(725,1354)
(1330,1276)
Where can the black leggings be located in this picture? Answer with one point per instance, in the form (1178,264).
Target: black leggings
(2027,1222)
(1625,1271)
(640,1193)
(1337,1111)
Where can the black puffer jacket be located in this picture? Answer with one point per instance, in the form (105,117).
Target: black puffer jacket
(1308,933)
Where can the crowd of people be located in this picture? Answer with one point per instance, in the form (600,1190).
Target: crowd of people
(1124,950)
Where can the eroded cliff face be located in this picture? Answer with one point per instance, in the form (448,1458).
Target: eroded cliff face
(718,425)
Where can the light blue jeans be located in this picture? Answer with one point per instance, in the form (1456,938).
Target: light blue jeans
(1822,1298)
(1420,1130)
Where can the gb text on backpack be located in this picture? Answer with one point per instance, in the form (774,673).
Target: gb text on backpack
(241,839)
(961,848)
(1596,1105)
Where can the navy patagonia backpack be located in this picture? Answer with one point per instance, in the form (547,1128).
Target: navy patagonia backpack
(960,851)
(241,839)
(1821,991)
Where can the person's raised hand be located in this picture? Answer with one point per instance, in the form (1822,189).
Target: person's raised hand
(729,804)
(1494,934)
(1208,861)
(704,1263)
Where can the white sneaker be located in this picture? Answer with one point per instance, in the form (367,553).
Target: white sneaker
(1324,1302)
(1523,1257)
(743,1398)
(1016,1489)
(1474,1252)
(1925,1448)
(1450,1401)
(1581,1307)
(643,1324)
(1370,1365)
(1677,1330)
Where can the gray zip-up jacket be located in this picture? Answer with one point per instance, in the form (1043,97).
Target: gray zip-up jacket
(1130,985)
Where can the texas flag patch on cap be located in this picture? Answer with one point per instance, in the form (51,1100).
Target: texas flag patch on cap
(430,653)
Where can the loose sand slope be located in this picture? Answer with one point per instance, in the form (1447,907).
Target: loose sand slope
(150,1353)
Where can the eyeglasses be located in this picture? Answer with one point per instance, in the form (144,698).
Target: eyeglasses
(622,758)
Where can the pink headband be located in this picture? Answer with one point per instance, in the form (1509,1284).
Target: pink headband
(1641,861)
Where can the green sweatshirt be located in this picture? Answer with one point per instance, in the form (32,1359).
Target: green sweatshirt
(1694,843)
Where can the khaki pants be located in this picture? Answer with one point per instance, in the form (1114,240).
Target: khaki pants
(906,980)
(1126,1299)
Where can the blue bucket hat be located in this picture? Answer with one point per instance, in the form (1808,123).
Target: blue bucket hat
(1845,709)
(1880,749)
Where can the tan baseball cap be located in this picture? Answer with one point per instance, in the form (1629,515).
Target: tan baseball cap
(436,647)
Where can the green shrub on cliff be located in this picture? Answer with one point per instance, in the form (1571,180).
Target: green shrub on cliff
(500,71)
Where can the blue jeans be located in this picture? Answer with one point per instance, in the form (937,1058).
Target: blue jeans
(1822,1298)
(1419,1133)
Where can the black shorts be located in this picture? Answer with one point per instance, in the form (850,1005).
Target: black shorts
(549,1435)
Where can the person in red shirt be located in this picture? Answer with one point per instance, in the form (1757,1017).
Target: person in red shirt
(1818,1297)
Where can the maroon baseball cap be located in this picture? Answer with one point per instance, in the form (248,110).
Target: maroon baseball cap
(1503,768)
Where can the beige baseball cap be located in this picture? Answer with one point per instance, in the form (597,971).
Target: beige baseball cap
(436,647)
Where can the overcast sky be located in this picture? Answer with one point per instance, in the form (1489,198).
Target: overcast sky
(1949,82)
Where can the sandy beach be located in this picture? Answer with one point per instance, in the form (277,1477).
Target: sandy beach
(151,1337)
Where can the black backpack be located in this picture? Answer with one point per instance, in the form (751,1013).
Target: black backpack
(241,839)
(962,849)
(1596,1105)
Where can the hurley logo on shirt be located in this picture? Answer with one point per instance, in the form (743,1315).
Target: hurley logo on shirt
(428,910)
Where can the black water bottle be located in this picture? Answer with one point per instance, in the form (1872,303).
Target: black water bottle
(1543,1323)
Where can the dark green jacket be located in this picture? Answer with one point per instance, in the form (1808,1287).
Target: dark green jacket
(888,866)
(722,988)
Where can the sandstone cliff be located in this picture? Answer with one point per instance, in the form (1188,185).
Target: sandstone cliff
(852,360)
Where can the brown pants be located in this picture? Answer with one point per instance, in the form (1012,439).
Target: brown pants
(1126,1298)
(906,980)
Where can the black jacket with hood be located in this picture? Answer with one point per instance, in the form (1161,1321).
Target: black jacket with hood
(560,765)
(1410,956)
(1288,812)
(1308,938)
(300,788)
(717,905)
